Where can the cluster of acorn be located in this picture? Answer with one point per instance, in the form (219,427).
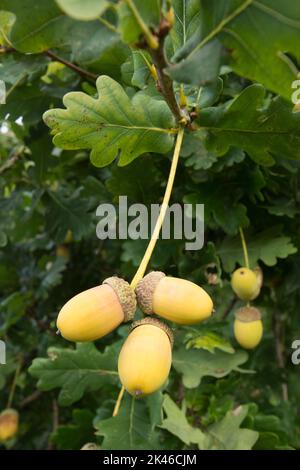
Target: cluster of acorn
(145,358)
(248,328)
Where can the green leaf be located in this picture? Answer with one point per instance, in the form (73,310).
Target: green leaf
(261,129)
(3,239)
(7,20)
(112,124)
(228,435)
(65,214)
(187,14)
(76,371)
(232,23)
(98,48)
(141,71)
(209,341)
(74,435)
(224,435)
(28,101)
(216,205)
(177,424)
(266,246)
(38,26)
(138,181)
(15,66)
(83,10)
(202,69)
(194,365)
(128,25)
(13,308)
(134,426)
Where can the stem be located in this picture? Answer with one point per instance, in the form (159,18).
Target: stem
(152,40)
(245,250)
(143,266)
(165,83)
(144,263)
(119,400)
(108,24)
(13,385)
(82,72)
(278,328)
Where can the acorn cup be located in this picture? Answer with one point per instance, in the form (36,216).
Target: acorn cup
(9,424)
(248,327)
(174,299)
(146,357)
(96,312)
(246,283)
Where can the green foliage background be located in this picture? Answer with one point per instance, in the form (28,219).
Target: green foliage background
(237,60)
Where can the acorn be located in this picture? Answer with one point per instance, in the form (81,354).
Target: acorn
(63,251)
(9,424)
(146,356)
(174,299)
(246,283)
(248,327)
(96,312)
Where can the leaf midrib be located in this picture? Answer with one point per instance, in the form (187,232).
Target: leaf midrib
(247,131)
(43,26)
(121,126)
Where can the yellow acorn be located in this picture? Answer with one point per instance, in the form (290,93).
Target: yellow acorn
(248,328)
(63,251)
(98,311)
(9,424)
(245,283)
(146,356)
(177,300)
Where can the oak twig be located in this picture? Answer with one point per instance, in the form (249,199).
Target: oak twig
(82,72)
(165,83)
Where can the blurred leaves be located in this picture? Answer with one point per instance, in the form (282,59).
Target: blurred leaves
(266,246)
